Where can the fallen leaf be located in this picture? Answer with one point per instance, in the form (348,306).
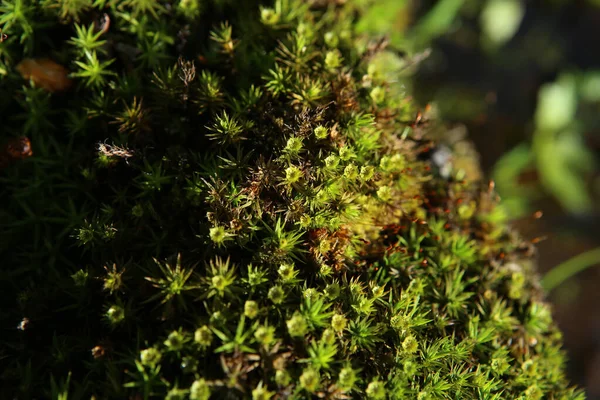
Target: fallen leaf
(45,73)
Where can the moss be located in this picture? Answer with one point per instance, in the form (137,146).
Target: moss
(226,200)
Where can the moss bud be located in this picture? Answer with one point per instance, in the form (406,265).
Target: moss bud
(261,393)
(150,357)
(332,161)
(276,294)
(293,146)
(282,378)
(385,194)
(321,132)
(378,94)
(309,380)
(347,153)
(338,323)
(268,16)
(287,272)
(325,270)
(333,59)
(265,335)
(367,172)
(251,309)
(218,235)
(376,390)
(293,174)
(115,314)
(176,394)
(296,325)
(351,172)
(311,294)
(347,378)
(175,341)
(199,390)
(80,278)
(331,39)
(410,345)
(328,336)
(203,336)
(332,290)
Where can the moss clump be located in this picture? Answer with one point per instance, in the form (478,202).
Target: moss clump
(225,200)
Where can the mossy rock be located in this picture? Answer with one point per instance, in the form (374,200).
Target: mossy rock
(227,200)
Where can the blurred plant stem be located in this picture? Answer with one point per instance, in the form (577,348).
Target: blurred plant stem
(569,268)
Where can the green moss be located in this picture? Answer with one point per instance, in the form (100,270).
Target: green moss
(225,205)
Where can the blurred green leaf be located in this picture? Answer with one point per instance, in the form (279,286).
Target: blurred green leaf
(381,17)
(590,88)
(561,156)
(557,102)
(437,21)
(560,162)
(515,197)
(500,20)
